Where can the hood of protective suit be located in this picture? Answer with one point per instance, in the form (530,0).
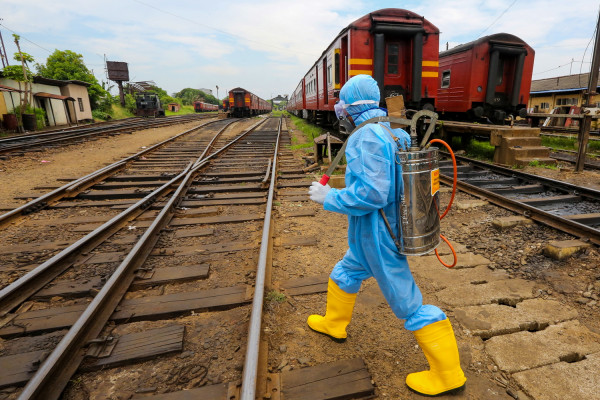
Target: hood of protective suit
(361,87)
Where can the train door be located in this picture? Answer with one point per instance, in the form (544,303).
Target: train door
(344,61)
(316,82)
(505,75)
(238,99)
(397,61)
(326,80)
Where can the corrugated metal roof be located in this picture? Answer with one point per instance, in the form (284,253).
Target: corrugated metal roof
(8,89)
(52,96)
(561,83)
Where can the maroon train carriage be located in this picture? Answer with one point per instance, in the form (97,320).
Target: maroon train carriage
(487,79)
(200,106)
(398,48)
(243,103)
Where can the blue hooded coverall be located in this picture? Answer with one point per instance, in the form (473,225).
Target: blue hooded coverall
(373,181)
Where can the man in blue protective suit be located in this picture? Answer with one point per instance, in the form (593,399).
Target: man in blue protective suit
(374,182)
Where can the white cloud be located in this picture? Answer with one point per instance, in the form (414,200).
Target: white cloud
(267,46)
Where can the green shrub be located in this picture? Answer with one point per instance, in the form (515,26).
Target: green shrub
(97,114)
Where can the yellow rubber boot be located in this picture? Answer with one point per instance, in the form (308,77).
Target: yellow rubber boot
(337,317)
(445,375)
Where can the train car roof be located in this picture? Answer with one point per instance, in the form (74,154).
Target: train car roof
(505,38)
(385,15)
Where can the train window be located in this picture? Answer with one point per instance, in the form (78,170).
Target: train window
(446,78)
(329,74)
(392,58)
(500,72)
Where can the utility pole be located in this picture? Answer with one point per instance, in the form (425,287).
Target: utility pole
(584,129)
(3,55)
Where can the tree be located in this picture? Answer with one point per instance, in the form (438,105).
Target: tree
(189,95)
(68,65)
(20,73)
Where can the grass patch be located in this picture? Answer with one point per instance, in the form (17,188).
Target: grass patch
(118,112)
(476,149)
(276,296)
(277,113)
(301,146)
(536,163)
(310,131)
(182,111)
(562,143)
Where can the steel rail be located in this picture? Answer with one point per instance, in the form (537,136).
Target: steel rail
(523,175)
(72,136)
(248,391)
(55,372)
(571,227)
(85,181)
(73,132)
(18,291)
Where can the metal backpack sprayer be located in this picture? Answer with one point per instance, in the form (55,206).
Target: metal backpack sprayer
(418,204)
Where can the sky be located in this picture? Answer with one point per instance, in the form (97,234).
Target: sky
(267,46)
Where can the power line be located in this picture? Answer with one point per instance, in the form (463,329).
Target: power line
(496,20)
(23,37)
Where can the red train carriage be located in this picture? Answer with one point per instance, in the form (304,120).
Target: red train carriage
(243,103)
(486,79)
(397,47)
(200,106)
(225,105)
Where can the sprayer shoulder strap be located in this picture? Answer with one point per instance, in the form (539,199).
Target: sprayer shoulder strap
(394,137)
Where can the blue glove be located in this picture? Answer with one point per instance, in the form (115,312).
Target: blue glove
(318,192)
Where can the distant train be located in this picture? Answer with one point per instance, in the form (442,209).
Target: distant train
(200,106)
(243,103)
(147,104)
(487,79)
(225,105)
(398,48)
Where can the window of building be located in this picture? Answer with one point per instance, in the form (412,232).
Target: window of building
(544,106)
(392,58)
(446,78)
(80,101)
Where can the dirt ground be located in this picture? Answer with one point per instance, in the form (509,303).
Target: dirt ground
(375,334)
(22,174)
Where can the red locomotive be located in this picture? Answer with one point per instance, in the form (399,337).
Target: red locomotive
(243,103)
(485,79)
(225,107)
(200,106)
(397,47)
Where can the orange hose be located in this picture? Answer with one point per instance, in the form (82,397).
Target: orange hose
(453,254)
(449,203)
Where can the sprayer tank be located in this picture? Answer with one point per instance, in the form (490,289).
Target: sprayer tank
(419,203)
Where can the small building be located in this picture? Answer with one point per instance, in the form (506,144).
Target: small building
(78,91)
(562,91)
(207,91)
(65,102)
(173,107)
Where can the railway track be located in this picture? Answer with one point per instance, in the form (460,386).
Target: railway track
(569,208)
(571,157)
(19,144)
(165,260)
